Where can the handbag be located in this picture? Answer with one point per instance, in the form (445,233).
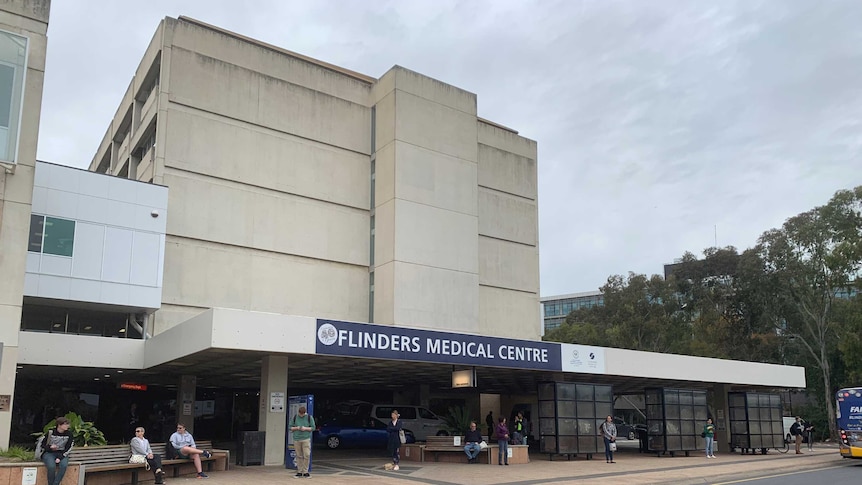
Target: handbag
(140,460)
(402,436)
(703,435)
(483,445)
(613,446)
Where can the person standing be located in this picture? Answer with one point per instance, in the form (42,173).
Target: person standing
(186,448)
(796,430)
(58,445)
(489,420)
(709,434)
(518,429)
(608,431)
(502,442)
(302,425)
(141,446)
(809,433)
(393,445)
(473,437)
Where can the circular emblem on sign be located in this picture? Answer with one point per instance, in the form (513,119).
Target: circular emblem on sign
(327,334)
(575,354)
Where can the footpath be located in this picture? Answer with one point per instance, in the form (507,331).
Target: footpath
(631,468)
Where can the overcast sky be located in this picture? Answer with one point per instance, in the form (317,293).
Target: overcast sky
(657,122)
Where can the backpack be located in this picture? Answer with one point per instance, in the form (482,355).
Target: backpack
(170,451)
(40,445)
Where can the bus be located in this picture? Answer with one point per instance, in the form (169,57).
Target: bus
(848,410)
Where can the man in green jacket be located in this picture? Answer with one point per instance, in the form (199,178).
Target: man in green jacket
(302,425)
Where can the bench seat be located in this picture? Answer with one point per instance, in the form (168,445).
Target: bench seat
(109,465)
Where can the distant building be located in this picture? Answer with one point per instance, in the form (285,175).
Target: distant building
(556,308)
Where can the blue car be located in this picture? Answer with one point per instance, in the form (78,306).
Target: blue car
(354,431)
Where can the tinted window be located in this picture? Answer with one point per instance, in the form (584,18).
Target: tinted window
(37,226)
(59,236)
(385,412)
(426,414)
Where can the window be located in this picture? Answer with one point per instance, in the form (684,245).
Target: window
(51,235)
(426,414)
(13,65)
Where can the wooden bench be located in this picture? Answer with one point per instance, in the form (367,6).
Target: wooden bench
(434,445)
(109,465)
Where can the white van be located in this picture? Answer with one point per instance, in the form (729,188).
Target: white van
(421,421)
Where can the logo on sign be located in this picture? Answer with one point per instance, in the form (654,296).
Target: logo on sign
(592,356)
(575,354)
(327,334)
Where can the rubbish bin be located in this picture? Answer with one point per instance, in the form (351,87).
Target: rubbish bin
(249,448)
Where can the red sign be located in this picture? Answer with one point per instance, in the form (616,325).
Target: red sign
(133,387)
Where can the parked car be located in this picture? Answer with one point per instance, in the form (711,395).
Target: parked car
(626,430)
(354,431)
(422,421)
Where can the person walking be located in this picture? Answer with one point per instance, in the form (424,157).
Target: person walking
(394,428)
(58,445)
(709,434)
(608,431)
(302,425)
(489,420)
(809,433)
(502,442)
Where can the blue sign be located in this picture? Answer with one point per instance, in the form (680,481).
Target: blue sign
(386,342)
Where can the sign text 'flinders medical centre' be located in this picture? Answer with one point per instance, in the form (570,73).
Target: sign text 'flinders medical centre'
(385,342)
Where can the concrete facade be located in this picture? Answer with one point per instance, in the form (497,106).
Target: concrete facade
(28,19)
(328,193)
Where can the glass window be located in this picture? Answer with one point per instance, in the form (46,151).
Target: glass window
(13,65)
(59,236)
(426,414)
(37,228)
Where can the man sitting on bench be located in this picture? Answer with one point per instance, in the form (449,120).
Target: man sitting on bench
(184,443)
(473,438)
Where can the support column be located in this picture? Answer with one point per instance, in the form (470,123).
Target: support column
(186,402)
(273,378)
(722,416)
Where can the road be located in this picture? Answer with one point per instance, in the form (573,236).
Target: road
(850,472)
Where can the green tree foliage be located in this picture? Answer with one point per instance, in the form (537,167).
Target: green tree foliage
(806,263)
(848,318)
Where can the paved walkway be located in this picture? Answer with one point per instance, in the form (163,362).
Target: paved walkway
(631,468)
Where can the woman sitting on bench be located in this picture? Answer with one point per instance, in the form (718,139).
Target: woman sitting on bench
(184,443)
(141,447)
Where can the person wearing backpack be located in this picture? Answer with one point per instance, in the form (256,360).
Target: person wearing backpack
(57,445)
(302,425)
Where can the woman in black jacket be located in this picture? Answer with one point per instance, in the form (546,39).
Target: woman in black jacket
(393,446)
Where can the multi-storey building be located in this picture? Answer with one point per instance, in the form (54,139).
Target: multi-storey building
(555,309)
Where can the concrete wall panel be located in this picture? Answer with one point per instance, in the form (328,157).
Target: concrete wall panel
(261,219)
(509,313)
(222,88)
(508,265)
(199,274)
(434,179)
(503,216)
(435,127)
(506,140)
(507,172)
(264,158)
(437,299)
(434,237)
(433,90)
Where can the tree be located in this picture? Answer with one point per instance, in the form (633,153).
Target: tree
(807,262)
(848,314)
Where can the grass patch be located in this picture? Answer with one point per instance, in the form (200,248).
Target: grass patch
(18,452)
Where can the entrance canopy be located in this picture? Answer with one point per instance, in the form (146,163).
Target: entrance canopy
(224,348)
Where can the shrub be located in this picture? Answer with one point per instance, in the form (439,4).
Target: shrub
(84,433)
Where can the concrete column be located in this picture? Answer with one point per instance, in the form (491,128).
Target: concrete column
(273,378)
(8,366)
(424,395)
(722,416)
(186,402)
